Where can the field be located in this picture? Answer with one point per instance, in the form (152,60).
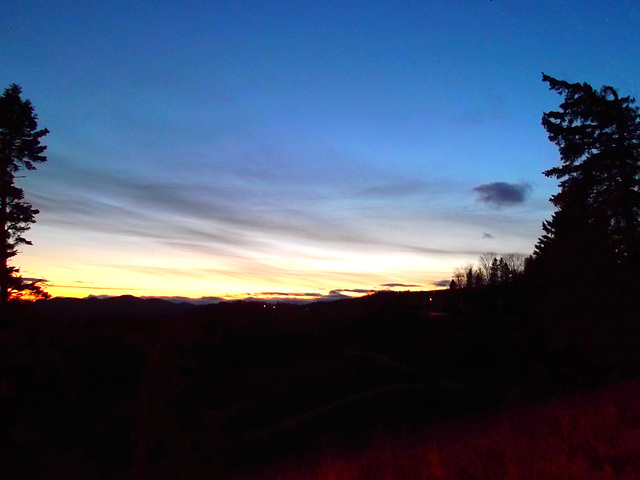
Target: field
(387,386)
(593,435)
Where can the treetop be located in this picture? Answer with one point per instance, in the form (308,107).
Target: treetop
(19,134)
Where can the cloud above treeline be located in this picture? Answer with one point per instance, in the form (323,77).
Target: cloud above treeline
(503,194)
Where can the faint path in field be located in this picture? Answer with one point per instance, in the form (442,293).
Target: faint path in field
(296,421)
(431,384)
(386,360)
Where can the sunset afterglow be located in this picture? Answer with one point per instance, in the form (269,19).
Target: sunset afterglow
(215,149)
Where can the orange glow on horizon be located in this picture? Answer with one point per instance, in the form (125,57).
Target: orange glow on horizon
(70,291)
(160,272)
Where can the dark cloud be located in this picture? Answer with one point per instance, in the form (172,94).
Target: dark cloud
(351,290)
(502,194)
(305,297)
(337,294)
(442,283)
(487,235)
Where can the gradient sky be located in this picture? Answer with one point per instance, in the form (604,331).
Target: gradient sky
(230,148)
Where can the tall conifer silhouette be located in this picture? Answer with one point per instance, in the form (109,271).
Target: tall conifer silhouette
(20,149)
(597,217)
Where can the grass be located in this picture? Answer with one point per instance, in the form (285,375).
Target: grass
(362,389)
(584,436)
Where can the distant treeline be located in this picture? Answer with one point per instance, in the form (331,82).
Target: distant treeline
(490,270)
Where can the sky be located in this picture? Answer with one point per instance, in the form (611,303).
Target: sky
(278,149)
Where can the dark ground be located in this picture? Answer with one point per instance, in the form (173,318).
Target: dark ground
(130,388)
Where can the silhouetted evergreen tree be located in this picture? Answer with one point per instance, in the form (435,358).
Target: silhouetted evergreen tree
(471,277)
(494,272)
(20,149)
(597,216)
(586,263)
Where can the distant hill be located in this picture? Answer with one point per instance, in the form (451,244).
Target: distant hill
(112,307)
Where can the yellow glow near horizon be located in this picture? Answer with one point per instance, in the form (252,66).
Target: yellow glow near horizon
(74,269)
(199,281)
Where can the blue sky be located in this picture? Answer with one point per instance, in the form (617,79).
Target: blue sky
(234,148)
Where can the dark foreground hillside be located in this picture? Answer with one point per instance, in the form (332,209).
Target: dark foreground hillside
(386,386)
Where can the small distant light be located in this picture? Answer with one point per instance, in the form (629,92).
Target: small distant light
(430,299)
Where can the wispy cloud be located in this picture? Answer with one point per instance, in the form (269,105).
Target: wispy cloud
(276,234)
(444,251)
(289,294)
(93,287)
(394,189)
(226,214)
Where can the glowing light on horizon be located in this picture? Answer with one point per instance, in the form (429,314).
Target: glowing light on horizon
(291,269)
